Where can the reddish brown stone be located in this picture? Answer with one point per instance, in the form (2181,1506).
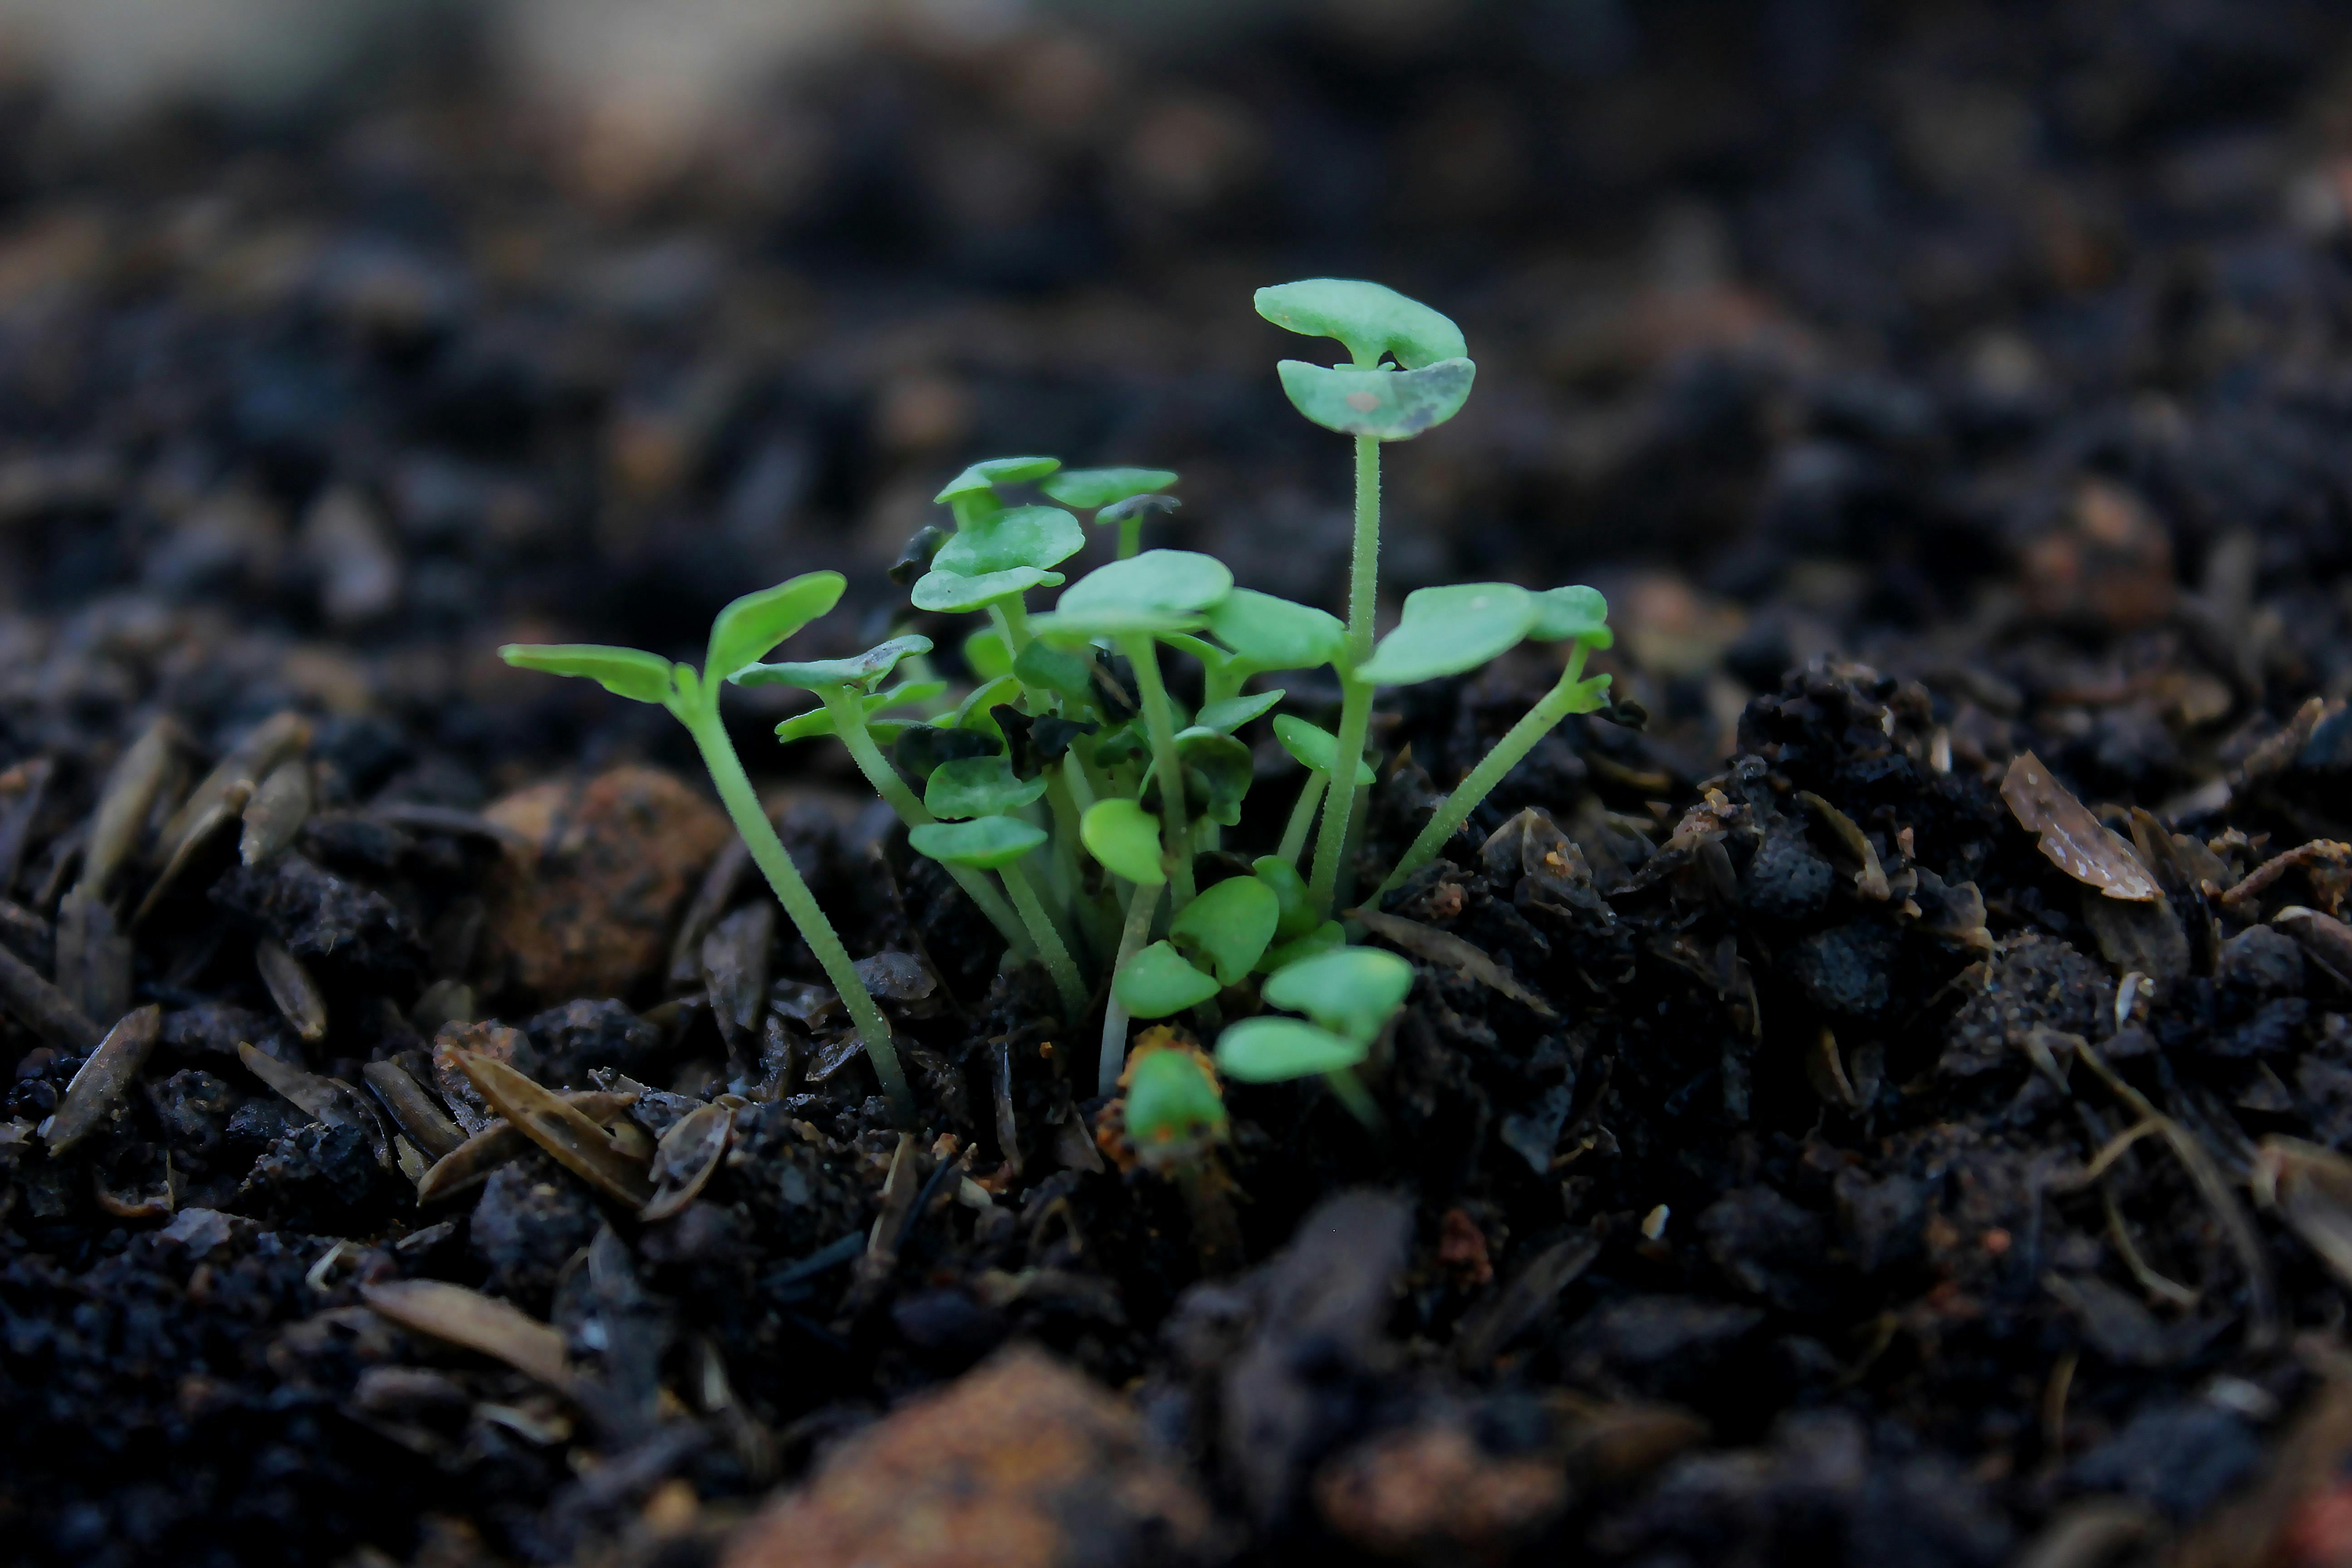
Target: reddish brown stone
(1021,1464)
(1430,1494)
(586,911)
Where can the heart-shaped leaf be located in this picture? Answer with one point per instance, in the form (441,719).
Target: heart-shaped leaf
(817,675)
(1158,590)
(1324,938)
(924,748)
(755,623)
(1578,612)
(1229,926)
(1039,536)
(1350,991)
(981,477)
(1157,982)
(1297,910)
(986,656)
(985,843)
(1172,1099)
(1126,838)
(978,786)
(622,672)
(1390,404)
(1272,1050)
(1315,748)
(1044,668)
(953,592)
(1231,713)
(1088,488)
(1446,631)
(1269,632)
(1374,320)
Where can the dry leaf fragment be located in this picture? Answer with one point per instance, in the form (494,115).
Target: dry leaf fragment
(247,763)
(101,1080)
(1870,880)
(2324,938)
(132,786)
(42,1007)
(327,1100)
(688,1153)
(476,1321)
(544,1117)
(278,808)
(2075,841)
(2311,1189)
(1446,950)
(227,808)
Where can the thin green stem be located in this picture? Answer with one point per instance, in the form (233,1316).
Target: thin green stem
(1340,804)
(700,713)
(1130,534)
(1132,937)
(1564,699)
(1017,623)
(1160,720)
(1364,563)
(1058,961)
(1302,817)
(1349,1091)
(849,724)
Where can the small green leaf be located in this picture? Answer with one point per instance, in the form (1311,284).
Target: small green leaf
(755,623)
(978,786)
(1374,320)
(1171,1100)
(1088,488)
(1123,744)
(1578,612)
(819,721)
(1271,1050)
(1157,982)
(971,714)
(953,593)
(815,675)
(1315,748)
(1126,838)
(1217,773)
(1039,536)
(1157,590)
(1232,713)
(1297,909)
(906,691)
(924,748)
(1324,938)
(1229,925)
(1044,668)
(986,656)
(1269,632)
(984,476)
(1389,404)
(622,672)
(1591,696)
(1350,991)
(1446,631)
(808,726)
(985,844)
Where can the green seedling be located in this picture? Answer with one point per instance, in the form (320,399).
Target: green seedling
(1173,1106)
(1125,840)
(984,789)
(1160,982)
(742,633)
(1350,993)
(1119,497)
(1316,750)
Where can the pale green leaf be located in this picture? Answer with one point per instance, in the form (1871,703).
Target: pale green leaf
(622,672)
(755,623)
(1322,938)
(1448,631)
(1229,925)
(1315,748)
(1172,1099)
(1038,536)
(984,476)
(1231,713)
(1269,633)
(985,844)
(817,675)
(1372,319)
(953,593)
(1297,916)
(1272,1050)
(1088,488)
(986,656)
(978,786)
(1126,838)
(1578,612)
(1157,982)
(1389,404)
(1350,991)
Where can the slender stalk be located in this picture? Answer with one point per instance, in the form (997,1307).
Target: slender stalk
(1132,937)
(1065,812)
(1130,534)
(1159,720)
(1016,622)
(1048,936)
(1221,680)
(1302,816)
(700,713)
(1539,720)
(1339,804)
(1349,1091)
(1364,563)
(849,724)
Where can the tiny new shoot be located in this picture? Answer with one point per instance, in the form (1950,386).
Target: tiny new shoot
(1122,498)
(1349,994)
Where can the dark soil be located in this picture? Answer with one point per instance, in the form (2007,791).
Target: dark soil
(1926,385)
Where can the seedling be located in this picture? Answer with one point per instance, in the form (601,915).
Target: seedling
(1173,1116)
(1350,992)
(1123,497)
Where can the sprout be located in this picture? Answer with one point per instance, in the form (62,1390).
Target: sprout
(979,786)
(1227,927)
(1160,981)
(971,495)
(1350,992)
(1120,496)
(1314,748)
(1445,631)
(1174,1104)
(993,843)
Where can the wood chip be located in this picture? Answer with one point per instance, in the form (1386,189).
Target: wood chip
(1870,880)
(476,1322)
(2324,937)
(97,1087)
(686,1157)
(2073,839)
(290,987)
(42,1007)
(280,806)
(1447,950)
(573,1139)
(418,1114)
(735,975)
(497,1143)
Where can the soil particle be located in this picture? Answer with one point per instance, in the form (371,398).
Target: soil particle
(320,915)
(2036,981)
(531,1217)
(580,1037)
(1432,1494)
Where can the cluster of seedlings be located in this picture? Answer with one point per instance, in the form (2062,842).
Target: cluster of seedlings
(1076,800)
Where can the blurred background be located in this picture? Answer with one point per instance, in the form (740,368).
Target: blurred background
(341,341)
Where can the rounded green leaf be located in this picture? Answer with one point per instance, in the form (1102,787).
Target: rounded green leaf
(922,749)
(986,656)
(1229,925)
(1578,612)
(1088,488)
(1156,981)
(1322,938)
(1315,748)
(757,622)
(952,592)
(1269,633)
(1374,320)
(1121,744)
(1271,1050)
(1044,668)
(622,672)
(978,786)
(1217,773)
(1039,536)
(1350,991)
(1171,1100)
(1445,631)
(985,844)
(816,675)
(984,476)
(1230,714)
(1157,590)
(1126,838)
(1390,405)
(1297,916)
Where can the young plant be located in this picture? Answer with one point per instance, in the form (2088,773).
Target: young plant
(1119,497)
(1350,993)
(742,632)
